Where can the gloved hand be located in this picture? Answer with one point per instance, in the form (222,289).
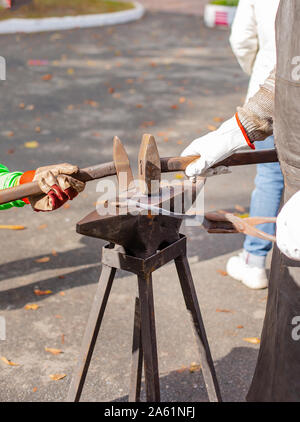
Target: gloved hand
(288,228)
(215,147)
(57,185)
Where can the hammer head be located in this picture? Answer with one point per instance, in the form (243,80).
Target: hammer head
(149,166)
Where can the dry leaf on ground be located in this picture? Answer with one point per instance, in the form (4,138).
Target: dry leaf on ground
(47,77)
(42,226)
(211,127)
(42,260)
(31,144)
(194,367)
(56,377)
(222,272)
(10,227)
(252,340)
(31,306)
(227,311)
(39,292)
(240,208)
(9,362)
(53,351)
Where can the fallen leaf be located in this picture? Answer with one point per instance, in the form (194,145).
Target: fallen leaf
(174,106)
(111,90)
(9,133)
(47,77)
(34,389)
(31,144)
(252,340)
(92,103)
(62,339)
(21,105)
(10,227)
(129,81)
(61,276)
(66,205)
(147,124)
(37,62)
(56,377)
(58,316)
(53,351)
(225,311)
(179,142)
(182,369)
(70,107)
(139,106)
(194,367)
(42,260)
(211,127)
(54,253)
(182,100)
(222,272)
(62,293)
(11,151)
(246,215)
(31,306)
(240,208)
(240,326)
(39,292)
(30,107)
(37,129)
(218,119)
(70,71)
(179,176)
(9,362)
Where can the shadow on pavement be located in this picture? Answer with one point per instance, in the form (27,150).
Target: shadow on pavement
(233,374)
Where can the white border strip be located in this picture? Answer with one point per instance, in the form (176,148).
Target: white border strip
(11,26)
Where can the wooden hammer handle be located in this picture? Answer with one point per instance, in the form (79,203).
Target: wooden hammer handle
(32,188)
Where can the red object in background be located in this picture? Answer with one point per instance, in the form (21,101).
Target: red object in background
(6,3)
(221,18)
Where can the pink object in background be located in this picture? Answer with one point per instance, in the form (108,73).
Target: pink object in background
(218,16)
(6,3)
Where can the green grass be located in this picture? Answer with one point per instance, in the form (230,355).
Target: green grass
(51,8)
(225,2)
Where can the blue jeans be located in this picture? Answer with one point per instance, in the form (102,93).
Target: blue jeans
(265,200)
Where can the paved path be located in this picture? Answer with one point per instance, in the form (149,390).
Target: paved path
(189,7)
(167,75)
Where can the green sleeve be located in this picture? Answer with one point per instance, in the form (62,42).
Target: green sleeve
(8,180)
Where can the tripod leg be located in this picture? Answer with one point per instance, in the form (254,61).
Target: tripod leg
(149,338)
(191,301)
(137,357)
(91,332)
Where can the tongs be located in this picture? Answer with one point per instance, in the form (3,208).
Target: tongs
(246,225)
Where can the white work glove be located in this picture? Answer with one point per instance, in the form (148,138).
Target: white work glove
(215,147)
(288,228)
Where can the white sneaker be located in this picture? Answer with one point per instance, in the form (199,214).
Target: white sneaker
(252,277)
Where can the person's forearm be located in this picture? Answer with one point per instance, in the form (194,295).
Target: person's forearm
(256,116)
